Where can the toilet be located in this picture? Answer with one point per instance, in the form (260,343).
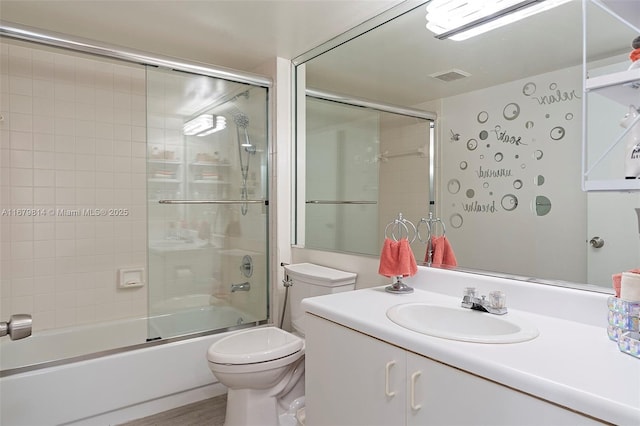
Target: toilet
(263,367)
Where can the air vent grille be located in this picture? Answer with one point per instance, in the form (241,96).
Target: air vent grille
(450,75)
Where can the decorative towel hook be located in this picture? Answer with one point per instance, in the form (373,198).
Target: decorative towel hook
(430,224)
(400,224)
(403,264)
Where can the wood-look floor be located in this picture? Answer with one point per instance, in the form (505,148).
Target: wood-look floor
(209,412)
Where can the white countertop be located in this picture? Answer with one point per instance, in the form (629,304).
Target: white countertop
(570,363)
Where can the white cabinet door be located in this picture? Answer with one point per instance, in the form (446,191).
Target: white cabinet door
(443,395)
(351,378)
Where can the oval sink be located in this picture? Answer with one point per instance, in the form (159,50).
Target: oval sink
(461,324)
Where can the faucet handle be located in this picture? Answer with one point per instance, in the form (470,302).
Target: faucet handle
(471,292)
(497,299)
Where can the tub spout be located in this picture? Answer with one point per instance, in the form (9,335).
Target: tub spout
(245,286)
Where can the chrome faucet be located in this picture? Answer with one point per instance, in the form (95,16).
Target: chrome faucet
(495,304)
(245,286)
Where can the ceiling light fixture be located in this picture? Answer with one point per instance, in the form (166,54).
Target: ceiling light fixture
(204,125)
(463,19)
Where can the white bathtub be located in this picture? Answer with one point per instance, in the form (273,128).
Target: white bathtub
(109,389)
(52,345)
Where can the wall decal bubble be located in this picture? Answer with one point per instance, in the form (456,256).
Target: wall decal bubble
(553,86)
(538,154)
(485,185)
(464,165)
(517,184)
(472,144)
(511,111)
(529,89)
(542,205)
(557,133)
(568,116)
(483,117)
(498,157)
(471,193)
(456,220)
(539,180)
(453,186)
(528,125)
(509,202)
(484,135)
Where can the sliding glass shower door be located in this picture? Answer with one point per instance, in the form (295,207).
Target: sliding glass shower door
(207,197)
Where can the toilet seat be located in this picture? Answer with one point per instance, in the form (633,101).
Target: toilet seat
(257,345)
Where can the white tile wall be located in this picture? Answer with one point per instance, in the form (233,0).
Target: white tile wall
(73,137)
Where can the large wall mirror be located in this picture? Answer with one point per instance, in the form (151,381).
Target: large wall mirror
(500,163)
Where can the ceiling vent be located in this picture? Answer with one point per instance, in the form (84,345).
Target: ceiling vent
(450,75)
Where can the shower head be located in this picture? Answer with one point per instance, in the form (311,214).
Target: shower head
(241,120)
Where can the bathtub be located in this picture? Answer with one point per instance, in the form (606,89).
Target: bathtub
(110,385)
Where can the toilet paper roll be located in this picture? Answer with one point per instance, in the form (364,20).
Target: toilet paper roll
(630,287)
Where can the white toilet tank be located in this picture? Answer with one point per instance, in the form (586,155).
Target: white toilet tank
(311,280)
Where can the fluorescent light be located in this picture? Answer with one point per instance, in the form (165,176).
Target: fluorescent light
(204,125)
(463,19)
(221,123)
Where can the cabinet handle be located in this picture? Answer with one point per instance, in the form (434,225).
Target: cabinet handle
(387,369)
(414,377)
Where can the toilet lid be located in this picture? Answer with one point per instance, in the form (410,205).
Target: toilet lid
(255,345)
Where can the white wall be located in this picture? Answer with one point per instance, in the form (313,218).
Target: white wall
(511,136)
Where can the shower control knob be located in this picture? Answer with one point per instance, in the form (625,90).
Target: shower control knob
(18,327)
(596,242)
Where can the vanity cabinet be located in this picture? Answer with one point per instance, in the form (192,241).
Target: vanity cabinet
(355,379)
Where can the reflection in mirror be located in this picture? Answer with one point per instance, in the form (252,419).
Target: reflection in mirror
(507,174)
(362,165)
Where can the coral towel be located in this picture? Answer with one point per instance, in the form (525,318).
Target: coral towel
(617,280)
(396,259)
(442,253)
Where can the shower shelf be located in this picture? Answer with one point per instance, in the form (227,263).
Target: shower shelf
(203,164)
(170,162)
(162,180)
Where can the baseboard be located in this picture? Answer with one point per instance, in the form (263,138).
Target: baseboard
(155,406)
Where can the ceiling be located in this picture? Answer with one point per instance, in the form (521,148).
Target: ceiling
(394,63)
(391,63)
(238,34)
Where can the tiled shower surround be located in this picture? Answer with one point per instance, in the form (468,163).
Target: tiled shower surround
(73,185)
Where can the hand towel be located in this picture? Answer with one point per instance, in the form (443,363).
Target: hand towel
(396,259)
(388,257)
(406,260)
(441,252)
(617,280)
